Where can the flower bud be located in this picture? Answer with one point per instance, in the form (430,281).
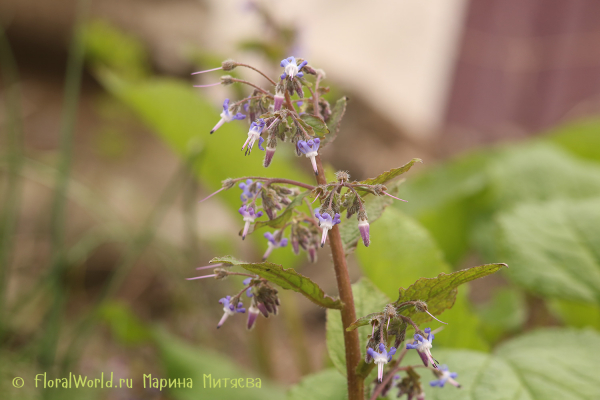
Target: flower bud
(363,227)
(270,150)
(226,80)
(227,183)
(342,176)
(228,65)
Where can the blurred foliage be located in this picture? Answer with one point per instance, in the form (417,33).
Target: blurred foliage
(326,385)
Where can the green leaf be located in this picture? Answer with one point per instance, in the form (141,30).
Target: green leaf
(440,293)
(334,121)
(554,248)
(539,172)
(401,252)
(391,174)
(181,360)
(317,123)
(285,216)
(579,138)
(286,278)
(576,314)
(307,127)
(543,365)
(324,385)
(367,299)
(506,312)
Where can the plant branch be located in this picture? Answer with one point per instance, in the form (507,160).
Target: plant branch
(253,85)
(237,64)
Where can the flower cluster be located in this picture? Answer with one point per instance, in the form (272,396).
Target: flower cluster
(277,114)
(263,297)
(268,119)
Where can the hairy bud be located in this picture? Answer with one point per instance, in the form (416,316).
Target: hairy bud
(227,183)
(342,176)
(226,80)
(228,65)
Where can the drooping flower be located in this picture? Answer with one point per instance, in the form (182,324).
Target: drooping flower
(229,309)
(273,244)
(444,375)
(363,227)
(256,129)
(249,217)
(249,191)
(310,149)
(381,358)
(291,68)
(226,116)
(423,347)
(253,312)
(326,223)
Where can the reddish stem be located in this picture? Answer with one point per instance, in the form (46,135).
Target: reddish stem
(351,341)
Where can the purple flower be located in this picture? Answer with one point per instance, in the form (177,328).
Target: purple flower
(226,116)
(248,191)
(249,217)
(229,309)
(423,347)
(363,228)
(310,150)
(273,244)
(445,376)
(292,69)
(326,223)
(256,129)
(253,312)
(381,358)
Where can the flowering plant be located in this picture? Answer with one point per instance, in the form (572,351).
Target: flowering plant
(293,110)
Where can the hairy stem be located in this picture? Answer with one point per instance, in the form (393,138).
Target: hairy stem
(351,342)
(253,85)
(257,70)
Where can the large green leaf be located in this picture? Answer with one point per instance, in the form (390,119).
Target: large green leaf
(401,252)
(543,365)
(286,278)
(182,360)
(367,299)
(391,174)
(324,385)
(554,248)
(440,293)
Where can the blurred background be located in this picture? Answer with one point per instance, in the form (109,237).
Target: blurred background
(106,153)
